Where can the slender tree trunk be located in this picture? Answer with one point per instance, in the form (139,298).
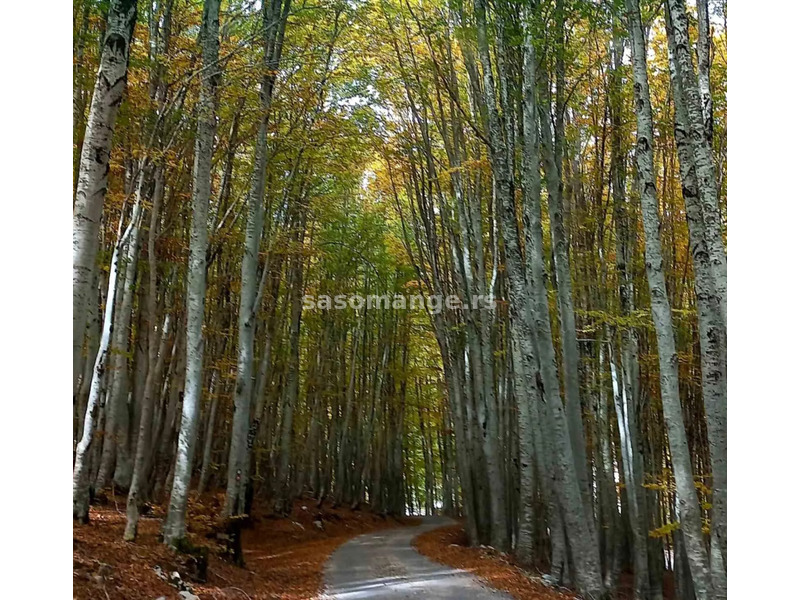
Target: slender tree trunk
(627,431)
(208,443)
(704,69)
(93,341)
(628,386)
(156,358)
(282,487)
(504,187)
(238,460)
(156,355)
(344,438)
(525,363)
(80,472)
(579,525)
(116,442)
(566,310)
(175,523)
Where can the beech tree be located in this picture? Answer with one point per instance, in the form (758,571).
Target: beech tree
(175,526)
(94,158)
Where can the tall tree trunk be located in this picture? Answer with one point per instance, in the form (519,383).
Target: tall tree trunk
(624,406)
(628,388)
(703,161)
(712,330)
(689,506)
(138,478)
(156,355)
(282,487)
(238,461)
(504,187)
(116,442)
(525,366)
(208,443)
(175,522)
(93,171)
(343,463)
(556,441)
(93,341)
(566,310)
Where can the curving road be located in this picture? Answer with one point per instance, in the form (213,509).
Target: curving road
(383,565)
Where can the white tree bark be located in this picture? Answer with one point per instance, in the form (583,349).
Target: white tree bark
(637,510)
(688,504)
(703,160)
(712,336)
(238,461)
(93,341)
(175,523)
(704,69)
(93,171)
(80,472)
(116,441)
(626,423)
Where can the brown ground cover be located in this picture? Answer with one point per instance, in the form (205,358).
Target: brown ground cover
(284,557)
(448,545)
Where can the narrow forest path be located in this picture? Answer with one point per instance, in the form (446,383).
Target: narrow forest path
(385,565)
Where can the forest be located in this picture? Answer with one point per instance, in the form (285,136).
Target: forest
(404,258)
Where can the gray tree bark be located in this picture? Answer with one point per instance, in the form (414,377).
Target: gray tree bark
(238,461)
(712,335)
(701,148)
(208,442)
(116,442)
(628,381)
(525,367)
(505,194)
(175,522)
(566,309)
(282,487)
(156,357)
(689,506)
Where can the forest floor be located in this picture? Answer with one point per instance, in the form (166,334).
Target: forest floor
(448,545)
(283,557)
